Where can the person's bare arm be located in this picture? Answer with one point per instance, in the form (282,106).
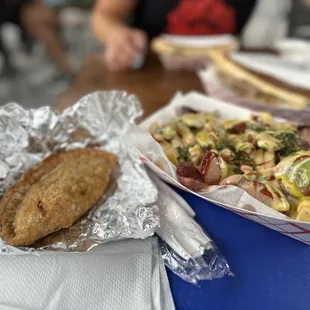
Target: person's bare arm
(121,43)
(110,15)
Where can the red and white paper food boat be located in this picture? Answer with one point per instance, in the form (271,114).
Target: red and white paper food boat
(228,197)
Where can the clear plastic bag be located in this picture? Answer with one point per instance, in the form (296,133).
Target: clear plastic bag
(211,265)
(186,249)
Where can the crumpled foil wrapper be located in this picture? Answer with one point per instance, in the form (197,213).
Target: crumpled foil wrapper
(100,120)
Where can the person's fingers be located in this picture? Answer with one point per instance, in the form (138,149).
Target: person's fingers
(111,60)
(121,55)
(138,39)
(127,49)
(124,44)
(123,62)
(124,50)
(117,60)
(125,55)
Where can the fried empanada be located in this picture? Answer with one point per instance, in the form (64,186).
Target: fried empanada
(54,194)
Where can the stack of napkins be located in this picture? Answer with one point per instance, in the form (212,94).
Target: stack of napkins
(127,274)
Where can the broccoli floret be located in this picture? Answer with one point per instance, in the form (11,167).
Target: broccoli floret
(183,154)
(221,143)
(290,143)
(258,127)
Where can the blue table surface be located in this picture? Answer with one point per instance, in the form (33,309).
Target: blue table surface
(272,271)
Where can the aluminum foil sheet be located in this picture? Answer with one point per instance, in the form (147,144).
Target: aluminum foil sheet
(99,120)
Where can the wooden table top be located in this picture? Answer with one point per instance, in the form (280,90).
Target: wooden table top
(153,85)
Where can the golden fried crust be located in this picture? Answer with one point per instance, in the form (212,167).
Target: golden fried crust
(54,194)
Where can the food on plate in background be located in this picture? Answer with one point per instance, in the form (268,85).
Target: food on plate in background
(193,45)
(54,194)
(190,52)
(258,86)
(267,159)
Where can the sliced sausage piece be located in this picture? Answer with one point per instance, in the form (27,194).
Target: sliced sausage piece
(189,176)
(210,168)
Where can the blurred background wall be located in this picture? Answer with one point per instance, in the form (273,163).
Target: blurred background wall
(299,20)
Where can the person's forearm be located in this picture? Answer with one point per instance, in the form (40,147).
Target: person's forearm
(105,24)
(109,15)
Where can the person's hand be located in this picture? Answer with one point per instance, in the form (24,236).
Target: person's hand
(123,46)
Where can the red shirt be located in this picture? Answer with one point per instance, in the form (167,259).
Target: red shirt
(192,16)
(199,17)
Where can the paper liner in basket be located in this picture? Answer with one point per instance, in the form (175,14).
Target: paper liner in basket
(228,197)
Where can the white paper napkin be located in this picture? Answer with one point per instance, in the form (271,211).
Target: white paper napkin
(118,275)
